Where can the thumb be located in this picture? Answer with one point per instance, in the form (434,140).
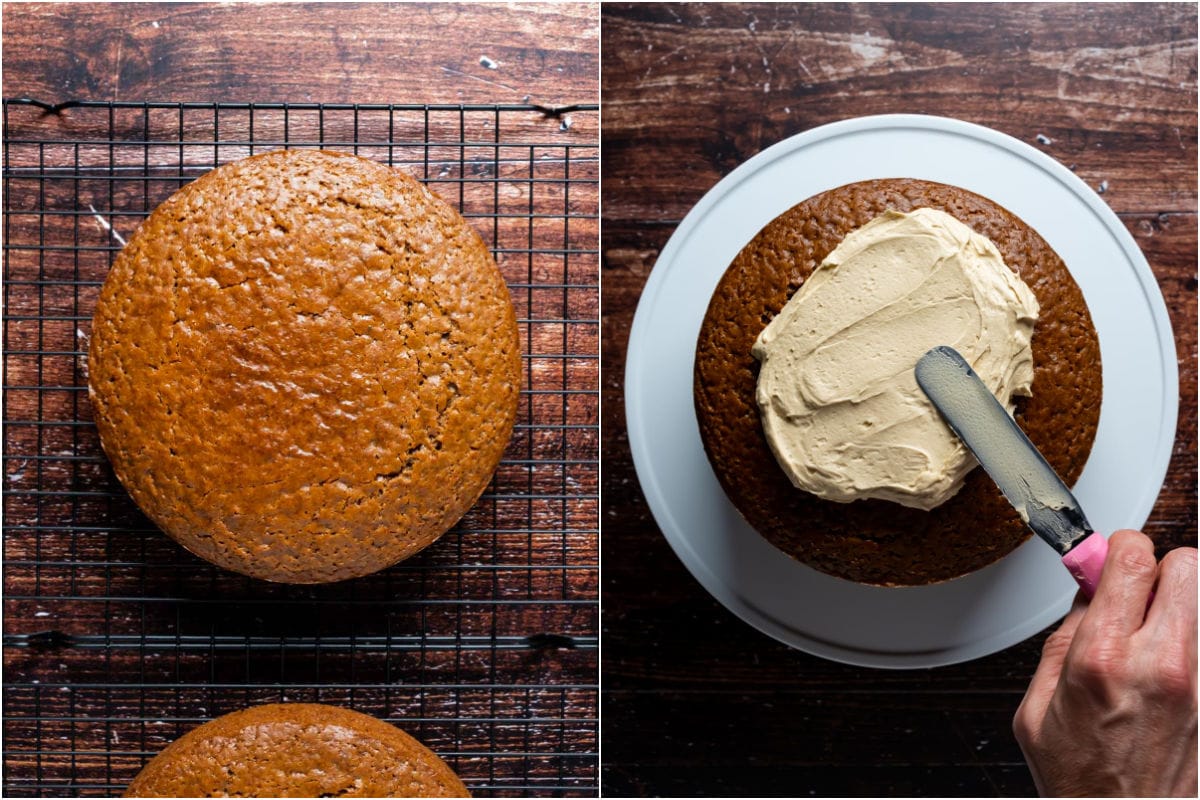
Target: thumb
(1045,679)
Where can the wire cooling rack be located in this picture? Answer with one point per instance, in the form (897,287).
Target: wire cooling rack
(117,641)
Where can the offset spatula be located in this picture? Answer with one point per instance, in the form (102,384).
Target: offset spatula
(1029,483)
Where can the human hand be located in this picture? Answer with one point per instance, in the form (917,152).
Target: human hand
(1111,709)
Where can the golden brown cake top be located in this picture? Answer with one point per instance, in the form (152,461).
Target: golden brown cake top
(304,366)
(296,750)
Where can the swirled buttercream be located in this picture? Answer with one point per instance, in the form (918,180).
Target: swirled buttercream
(836,393)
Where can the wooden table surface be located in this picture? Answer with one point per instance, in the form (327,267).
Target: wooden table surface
(695,701)
(116,640)
(542,53)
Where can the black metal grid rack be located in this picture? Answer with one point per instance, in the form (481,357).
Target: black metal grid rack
(116,641)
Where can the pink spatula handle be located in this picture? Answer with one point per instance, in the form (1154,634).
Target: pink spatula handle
(1085,562)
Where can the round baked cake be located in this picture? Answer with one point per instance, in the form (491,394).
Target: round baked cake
(871,540)
(304,366)
(296,750)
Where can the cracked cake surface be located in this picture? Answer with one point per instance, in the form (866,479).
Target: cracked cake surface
(304,366)
(296,750)
(876,541)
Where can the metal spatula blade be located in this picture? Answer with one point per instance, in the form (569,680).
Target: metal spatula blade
(1021,472)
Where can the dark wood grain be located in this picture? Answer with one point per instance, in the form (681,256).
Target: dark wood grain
(695,702)
(309,52)
(116,639)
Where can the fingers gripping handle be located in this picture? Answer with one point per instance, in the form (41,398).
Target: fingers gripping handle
(1085,561)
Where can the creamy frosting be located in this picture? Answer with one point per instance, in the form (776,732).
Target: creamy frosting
(837,396)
